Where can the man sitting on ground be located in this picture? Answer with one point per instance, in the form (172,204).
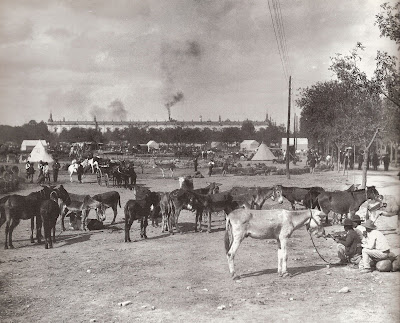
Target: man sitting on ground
(375,247)
(358,228)
(349,248)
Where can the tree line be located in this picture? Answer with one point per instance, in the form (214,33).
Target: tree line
(133,135)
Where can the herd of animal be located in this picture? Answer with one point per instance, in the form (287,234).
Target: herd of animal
(243,206)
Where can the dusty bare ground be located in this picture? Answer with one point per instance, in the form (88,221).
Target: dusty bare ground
(185,278)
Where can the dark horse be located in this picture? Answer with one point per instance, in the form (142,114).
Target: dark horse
(15,208)
(139,209)
(344,202)
(49,212)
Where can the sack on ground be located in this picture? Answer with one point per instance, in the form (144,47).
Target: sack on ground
(95,224)
(384,265)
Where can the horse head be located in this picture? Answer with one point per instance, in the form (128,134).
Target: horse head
(372,193)
(277,194)
(262,195)
(62,194)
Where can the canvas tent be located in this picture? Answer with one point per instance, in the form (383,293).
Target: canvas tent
(249,145)
(28,145)
(263,153)
(216,144)
(152,145)
(39,153)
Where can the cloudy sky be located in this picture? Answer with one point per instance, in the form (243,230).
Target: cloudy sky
(127,60)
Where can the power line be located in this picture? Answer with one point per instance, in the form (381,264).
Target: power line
(277,42)
(280,35)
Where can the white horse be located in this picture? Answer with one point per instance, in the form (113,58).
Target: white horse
(73,168)
(276,224)
(94,164)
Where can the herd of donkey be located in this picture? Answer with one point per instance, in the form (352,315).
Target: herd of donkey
(243,207)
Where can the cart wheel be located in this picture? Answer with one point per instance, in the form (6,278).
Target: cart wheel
(106,179)
(99,177)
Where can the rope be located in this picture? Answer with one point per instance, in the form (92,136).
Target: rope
(315,247)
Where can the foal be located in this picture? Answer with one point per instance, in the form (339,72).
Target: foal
(276,224)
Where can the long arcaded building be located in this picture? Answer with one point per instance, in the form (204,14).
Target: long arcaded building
(58,126)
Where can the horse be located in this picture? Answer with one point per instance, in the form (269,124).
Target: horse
(345,202)
(94,164)
(49,212)
(276,224)
(139,209)
(73,168)
(15,208)
(295,194)
(164,167)
(82,204)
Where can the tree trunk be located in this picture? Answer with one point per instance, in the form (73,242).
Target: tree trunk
(364,173)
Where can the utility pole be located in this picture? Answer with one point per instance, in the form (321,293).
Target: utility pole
(288,131)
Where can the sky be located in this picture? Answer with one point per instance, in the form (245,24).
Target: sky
(132,60)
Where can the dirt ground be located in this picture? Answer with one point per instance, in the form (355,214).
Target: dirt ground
(185,277)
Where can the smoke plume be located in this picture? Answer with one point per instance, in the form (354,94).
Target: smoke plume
(114,111)
(175,99)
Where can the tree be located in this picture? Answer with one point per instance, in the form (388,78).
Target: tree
(388,21)
(248,129)
(338,112)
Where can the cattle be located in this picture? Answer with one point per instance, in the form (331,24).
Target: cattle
(138,209)
(82,204)
(345,202)
(110,200)
(294,194)
(267,224)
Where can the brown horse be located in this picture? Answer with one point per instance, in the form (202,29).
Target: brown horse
(345,202)
(15,208)
(276,224)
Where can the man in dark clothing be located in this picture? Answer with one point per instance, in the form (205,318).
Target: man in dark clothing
(56,168)
(386,161)
(360,160)
(349,247)
(375,161)
(79,172)
(196,163)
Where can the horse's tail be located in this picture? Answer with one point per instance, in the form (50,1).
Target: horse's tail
(119,200)
(228,235)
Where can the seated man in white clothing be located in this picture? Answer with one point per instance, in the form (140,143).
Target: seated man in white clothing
(375,247)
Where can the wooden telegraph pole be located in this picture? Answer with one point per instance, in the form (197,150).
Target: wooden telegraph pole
(288,131)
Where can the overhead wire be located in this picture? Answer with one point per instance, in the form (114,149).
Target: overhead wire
(277,41)
(280,35)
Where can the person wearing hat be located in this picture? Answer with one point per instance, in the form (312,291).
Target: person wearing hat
(375,247)
(358,228)
(349,247)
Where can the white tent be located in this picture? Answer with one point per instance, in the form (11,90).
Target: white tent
(28,145)
(263,153)
(249,145)
(39,153)
(152,145)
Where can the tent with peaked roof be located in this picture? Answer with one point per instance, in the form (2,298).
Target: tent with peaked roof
(263,153)
(152,145)
(249,145)
(39,153)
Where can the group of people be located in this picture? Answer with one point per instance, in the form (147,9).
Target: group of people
(44,171)
(362,246)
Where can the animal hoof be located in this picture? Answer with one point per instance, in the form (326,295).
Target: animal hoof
(5,247)
(113,222)
(209,231)
(46,247)
(11,246)
(235,277)
(284,275)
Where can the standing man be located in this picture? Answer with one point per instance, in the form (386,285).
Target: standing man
(79,172)
(312,163)
(386,161)
(196,163)
(375,161)
(360,160)
(375,247)
(40,167)
(225,167)
(210,167)
(56,168)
